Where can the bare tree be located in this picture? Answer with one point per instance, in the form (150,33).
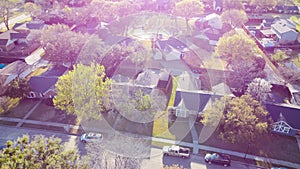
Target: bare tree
(119,151)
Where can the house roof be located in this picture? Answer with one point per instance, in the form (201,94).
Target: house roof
(164,78)
(173,42)
(16,67)
(282,28)
(291,114)
(191,101)
(113,40)
(188,81)
(18,35)
(47,80)
(55,71)
(6,34)
(42,83)
(267,32)
(212,16)
(148,77)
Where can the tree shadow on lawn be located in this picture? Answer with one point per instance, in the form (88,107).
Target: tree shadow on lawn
(21,109)
(47,113)
(267,146)
(120,123)
(181,130)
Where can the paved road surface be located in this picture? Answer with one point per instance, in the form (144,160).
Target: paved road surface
(156,160)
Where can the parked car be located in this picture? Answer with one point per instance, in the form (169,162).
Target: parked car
(91,137)
(221,159)
(176,151)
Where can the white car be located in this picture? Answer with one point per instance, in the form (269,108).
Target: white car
(91,137)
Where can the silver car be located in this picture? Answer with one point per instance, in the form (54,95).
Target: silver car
(91,137)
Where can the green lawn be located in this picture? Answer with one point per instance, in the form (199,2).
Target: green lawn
(48,113)
(21,110)
(160,128)
(268,146)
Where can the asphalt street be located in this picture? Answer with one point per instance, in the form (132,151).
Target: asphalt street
(155,161)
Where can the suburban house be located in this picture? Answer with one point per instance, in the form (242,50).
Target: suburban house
(43,86)
(284,34)
(189,103)
(218,5)
(213,20)
(286,119)
(169,49)
(6,41)
(164,82)
(12,71)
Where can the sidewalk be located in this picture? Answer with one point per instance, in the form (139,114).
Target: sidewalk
(186,144)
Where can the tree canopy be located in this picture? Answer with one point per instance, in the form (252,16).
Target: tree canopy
(234,17)
(61,44)
(259,89)
(239,119)
(39,153)
(236,47)
(5,10)
(188,9)
(83,91)
(232,4)
(264,3)
(244,118)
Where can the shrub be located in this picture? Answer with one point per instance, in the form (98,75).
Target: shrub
(6,103)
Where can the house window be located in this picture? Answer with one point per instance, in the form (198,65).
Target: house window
(181,113)
(281,127)
(32,95)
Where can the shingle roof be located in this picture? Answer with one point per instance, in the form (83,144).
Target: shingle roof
(16,67)
(290,114)
(42,83)
(192,101)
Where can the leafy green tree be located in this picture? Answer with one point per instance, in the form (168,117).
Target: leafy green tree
(264,4)
(83,91)
(5,10)
(279,56)
(32,8)
(40,153)
(142,101)
(240,119)
(259,89)
(243,73)
(296,20)
(18,88)
(114,56)
(234,17)
(236,47)
(188,9)
(244,118)
(6,103)
(290,75)
(213,115)
(61,44)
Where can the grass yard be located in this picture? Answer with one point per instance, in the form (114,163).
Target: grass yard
(297,61)
(8,123)
(284,148)
(53,128)
(159,144)
(21,110)
(173,93)
(48,113)
(161,128)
